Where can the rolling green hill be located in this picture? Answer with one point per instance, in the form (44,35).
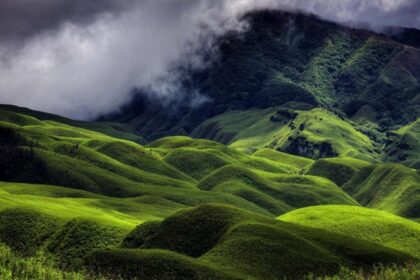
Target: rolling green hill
(371,225)
(228,243)
(303,163)
(338,170)
(393,188)
(82,200)
(316,133)
(118,130)
(173,169)
(404,145)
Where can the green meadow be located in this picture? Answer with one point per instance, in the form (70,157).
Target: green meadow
(81,203)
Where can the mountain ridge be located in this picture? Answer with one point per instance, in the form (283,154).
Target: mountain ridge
(263,68)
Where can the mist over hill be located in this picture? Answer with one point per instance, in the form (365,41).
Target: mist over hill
(294,62)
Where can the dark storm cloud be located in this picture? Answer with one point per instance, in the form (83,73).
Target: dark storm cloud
(21,19)
(81,58)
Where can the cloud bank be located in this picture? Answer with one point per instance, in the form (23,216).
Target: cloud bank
(82,58)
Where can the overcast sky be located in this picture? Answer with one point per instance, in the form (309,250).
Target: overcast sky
(81,58)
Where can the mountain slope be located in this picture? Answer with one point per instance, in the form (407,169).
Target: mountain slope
(296,60)
(316,133)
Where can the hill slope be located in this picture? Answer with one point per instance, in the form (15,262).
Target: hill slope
(404,145)
(156,211)
(300,62)
(315,133)
(245,246)
(391,187)
(372,225)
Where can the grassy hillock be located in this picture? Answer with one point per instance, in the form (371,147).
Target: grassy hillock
(372,225)
(316,133)
(390,187)
(14,267)
(57,154)
(276,193)
(196,163)
(295,161)
(338,170)
(228,243)
(404,145)
(116,129)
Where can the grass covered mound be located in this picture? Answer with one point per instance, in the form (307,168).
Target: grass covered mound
(295,161)
(152,264)
(404,145)
(14,267)
(25,231)
(196,163)
(118,130)
(316,133)
(252,128)
(194,232)
(390,187)
(276,193)
(66,204)
(54,153)
(338,170)
(79,237)
(371,225)
(232,243)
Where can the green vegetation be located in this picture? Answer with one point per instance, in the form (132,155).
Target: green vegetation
(123,210)
(315,134)
(366,224)
(404,145)
(390,187)
(338,170)
(112,129)
(278,193)
(13,267)
(308,126)
(89,202)
(407,272)
(295,161)
(223,242)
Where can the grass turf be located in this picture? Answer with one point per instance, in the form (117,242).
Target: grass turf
(372,225)
(240,244)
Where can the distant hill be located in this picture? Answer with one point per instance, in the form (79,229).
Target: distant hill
(297,61)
